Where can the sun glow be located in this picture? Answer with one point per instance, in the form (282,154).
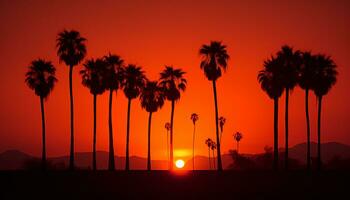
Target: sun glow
(180,164)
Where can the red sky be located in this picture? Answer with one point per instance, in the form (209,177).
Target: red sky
(152,34)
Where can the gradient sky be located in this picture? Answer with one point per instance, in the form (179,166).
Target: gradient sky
(154,33)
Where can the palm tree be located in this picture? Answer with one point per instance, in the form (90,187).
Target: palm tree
(214,60)
(133,82)
(173,83)
(290,61)
(41,78)
(113,79)
(222,121)
(71,50)
(194,118)
(152,99)
(213,148)
(306,81)
(271,81)
(325,78)
(92,78)
(238,136)
(167,127)
(209,142)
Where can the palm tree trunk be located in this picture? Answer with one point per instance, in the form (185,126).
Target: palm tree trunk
(275,144)
(308,155)
(217,128)
(286,158)
(167,147)
(111,164)
(237,147)
(71,157)
(209,157)
(194,132)
(171,135)
(94,137)
(319,161)
(127,167)
(149,142)
(214,159)
(43,157)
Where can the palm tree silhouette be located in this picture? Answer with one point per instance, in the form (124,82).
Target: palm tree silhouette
(92,78)
(71,50)
(271,81)
(41,78)
(325,78)
(213,148)
(222,121)
(214,60)
(290,61)
(306,81)
(113,80)
(209,142)
(238,136)
(133,82)
(173,82)
(152,99)
(194,118)
(167,127)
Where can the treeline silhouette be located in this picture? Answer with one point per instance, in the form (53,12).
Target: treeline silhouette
(111,73)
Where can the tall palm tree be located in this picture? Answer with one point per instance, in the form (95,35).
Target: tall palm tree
(306,81)
(271,81)
(238,137)
(152,99)
(41,78)
(213,148)
(325,78)
(173,83)
(92,78)
(290,61)
(71,49)
(209,142)
(113,79)
(167,127)
(133,82)
(222,121)
(214,60)
(194,118)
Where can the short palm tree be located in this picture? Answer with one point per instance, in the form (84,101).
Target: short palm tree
(209,142)
(173,83)
(222,121)
(213,148)
(214,61)
(238,137)
(194,118)
(271,81)
(41,78)
(306,81)
(290,61)
(71,49)
(167,127)
(152,99)
(93,78)
(325,78)
(133,82)
(113,79)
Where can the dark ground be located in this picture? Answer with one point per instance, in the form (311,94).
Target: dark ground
(166,185)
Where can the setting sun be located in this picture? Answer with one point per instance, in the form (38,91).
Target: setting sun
(180,164)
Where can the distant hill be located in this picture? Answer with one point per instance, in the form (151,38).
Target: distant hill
(13,159)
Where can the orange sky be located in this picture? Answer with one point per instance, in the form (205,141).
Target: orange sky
(152,34)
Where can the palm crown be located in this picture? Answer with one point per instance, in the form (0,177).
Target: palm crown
(306,76)
(152,97)
(194,117)
(290,62)
(114,71)
(41,77)
(325,75)
(238,136)
(133,82)
(71,47)
(173,82)
(222,121)
(215,59)
(92,75)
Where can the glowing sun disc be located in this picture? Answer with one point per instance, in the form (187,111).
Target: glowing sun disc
(180,163)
